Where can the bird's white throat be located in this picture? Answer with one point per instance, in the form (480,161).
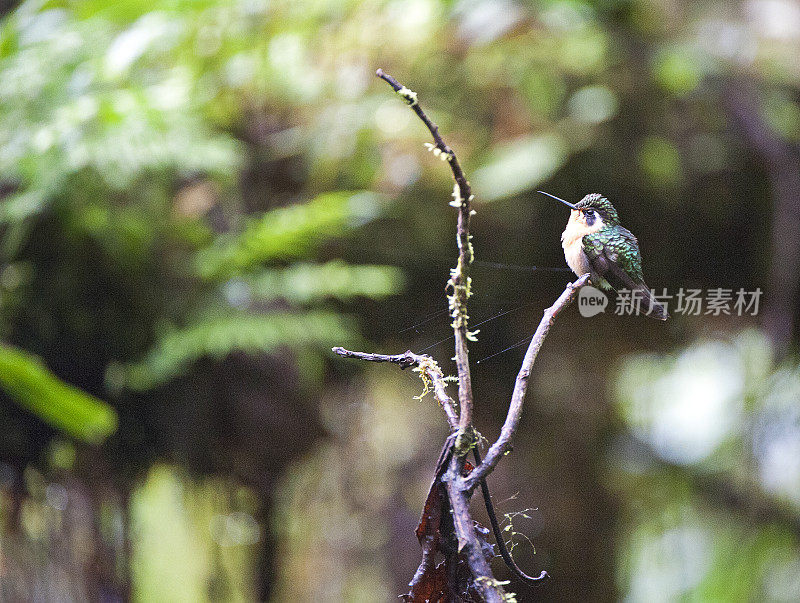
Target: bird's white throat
(572,241)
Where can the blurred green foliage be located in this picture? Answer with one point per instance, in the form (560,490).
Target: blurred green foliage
(218,336)
(146,226)
(716,424)
(186,183)
(64,407)
(216,534)
(105,115)
(285,233)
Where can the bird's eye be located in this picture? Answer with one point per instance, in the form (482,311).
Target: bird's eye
(589,215)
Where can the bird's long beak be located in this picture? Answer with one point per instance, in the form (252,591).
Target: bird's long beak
(567,203)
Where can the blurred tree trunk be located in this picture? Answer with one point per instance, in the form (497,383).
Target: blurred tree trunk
(781,160)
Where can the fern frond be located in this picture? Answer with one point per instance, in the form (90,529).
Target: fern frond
(305,283)
(285,233)
(219,336)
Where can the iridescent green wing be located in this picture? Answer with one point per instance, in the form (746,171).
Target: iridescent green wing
(613,253)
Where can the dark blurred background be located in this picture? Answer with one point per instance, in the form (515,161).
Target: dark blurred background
(200,198)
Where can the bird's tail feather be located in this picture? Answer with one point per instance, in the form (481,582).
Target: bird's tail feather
(651,306)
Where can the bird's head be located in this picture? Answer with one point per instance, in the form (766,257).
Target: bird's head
(594,211)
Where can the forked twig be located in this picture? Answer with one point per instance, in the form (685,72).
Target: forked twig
(459,283)
(450,469)
(425,364)
(503,443)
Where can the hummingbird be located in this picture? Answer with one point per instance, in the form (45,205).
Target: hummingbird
(594,241)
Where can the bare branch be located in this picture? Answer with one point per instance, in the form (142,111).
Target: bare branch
(405,360)
(459,284)
(498,534)
(471,547)
(425,364)
(503,443)
(491,590)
